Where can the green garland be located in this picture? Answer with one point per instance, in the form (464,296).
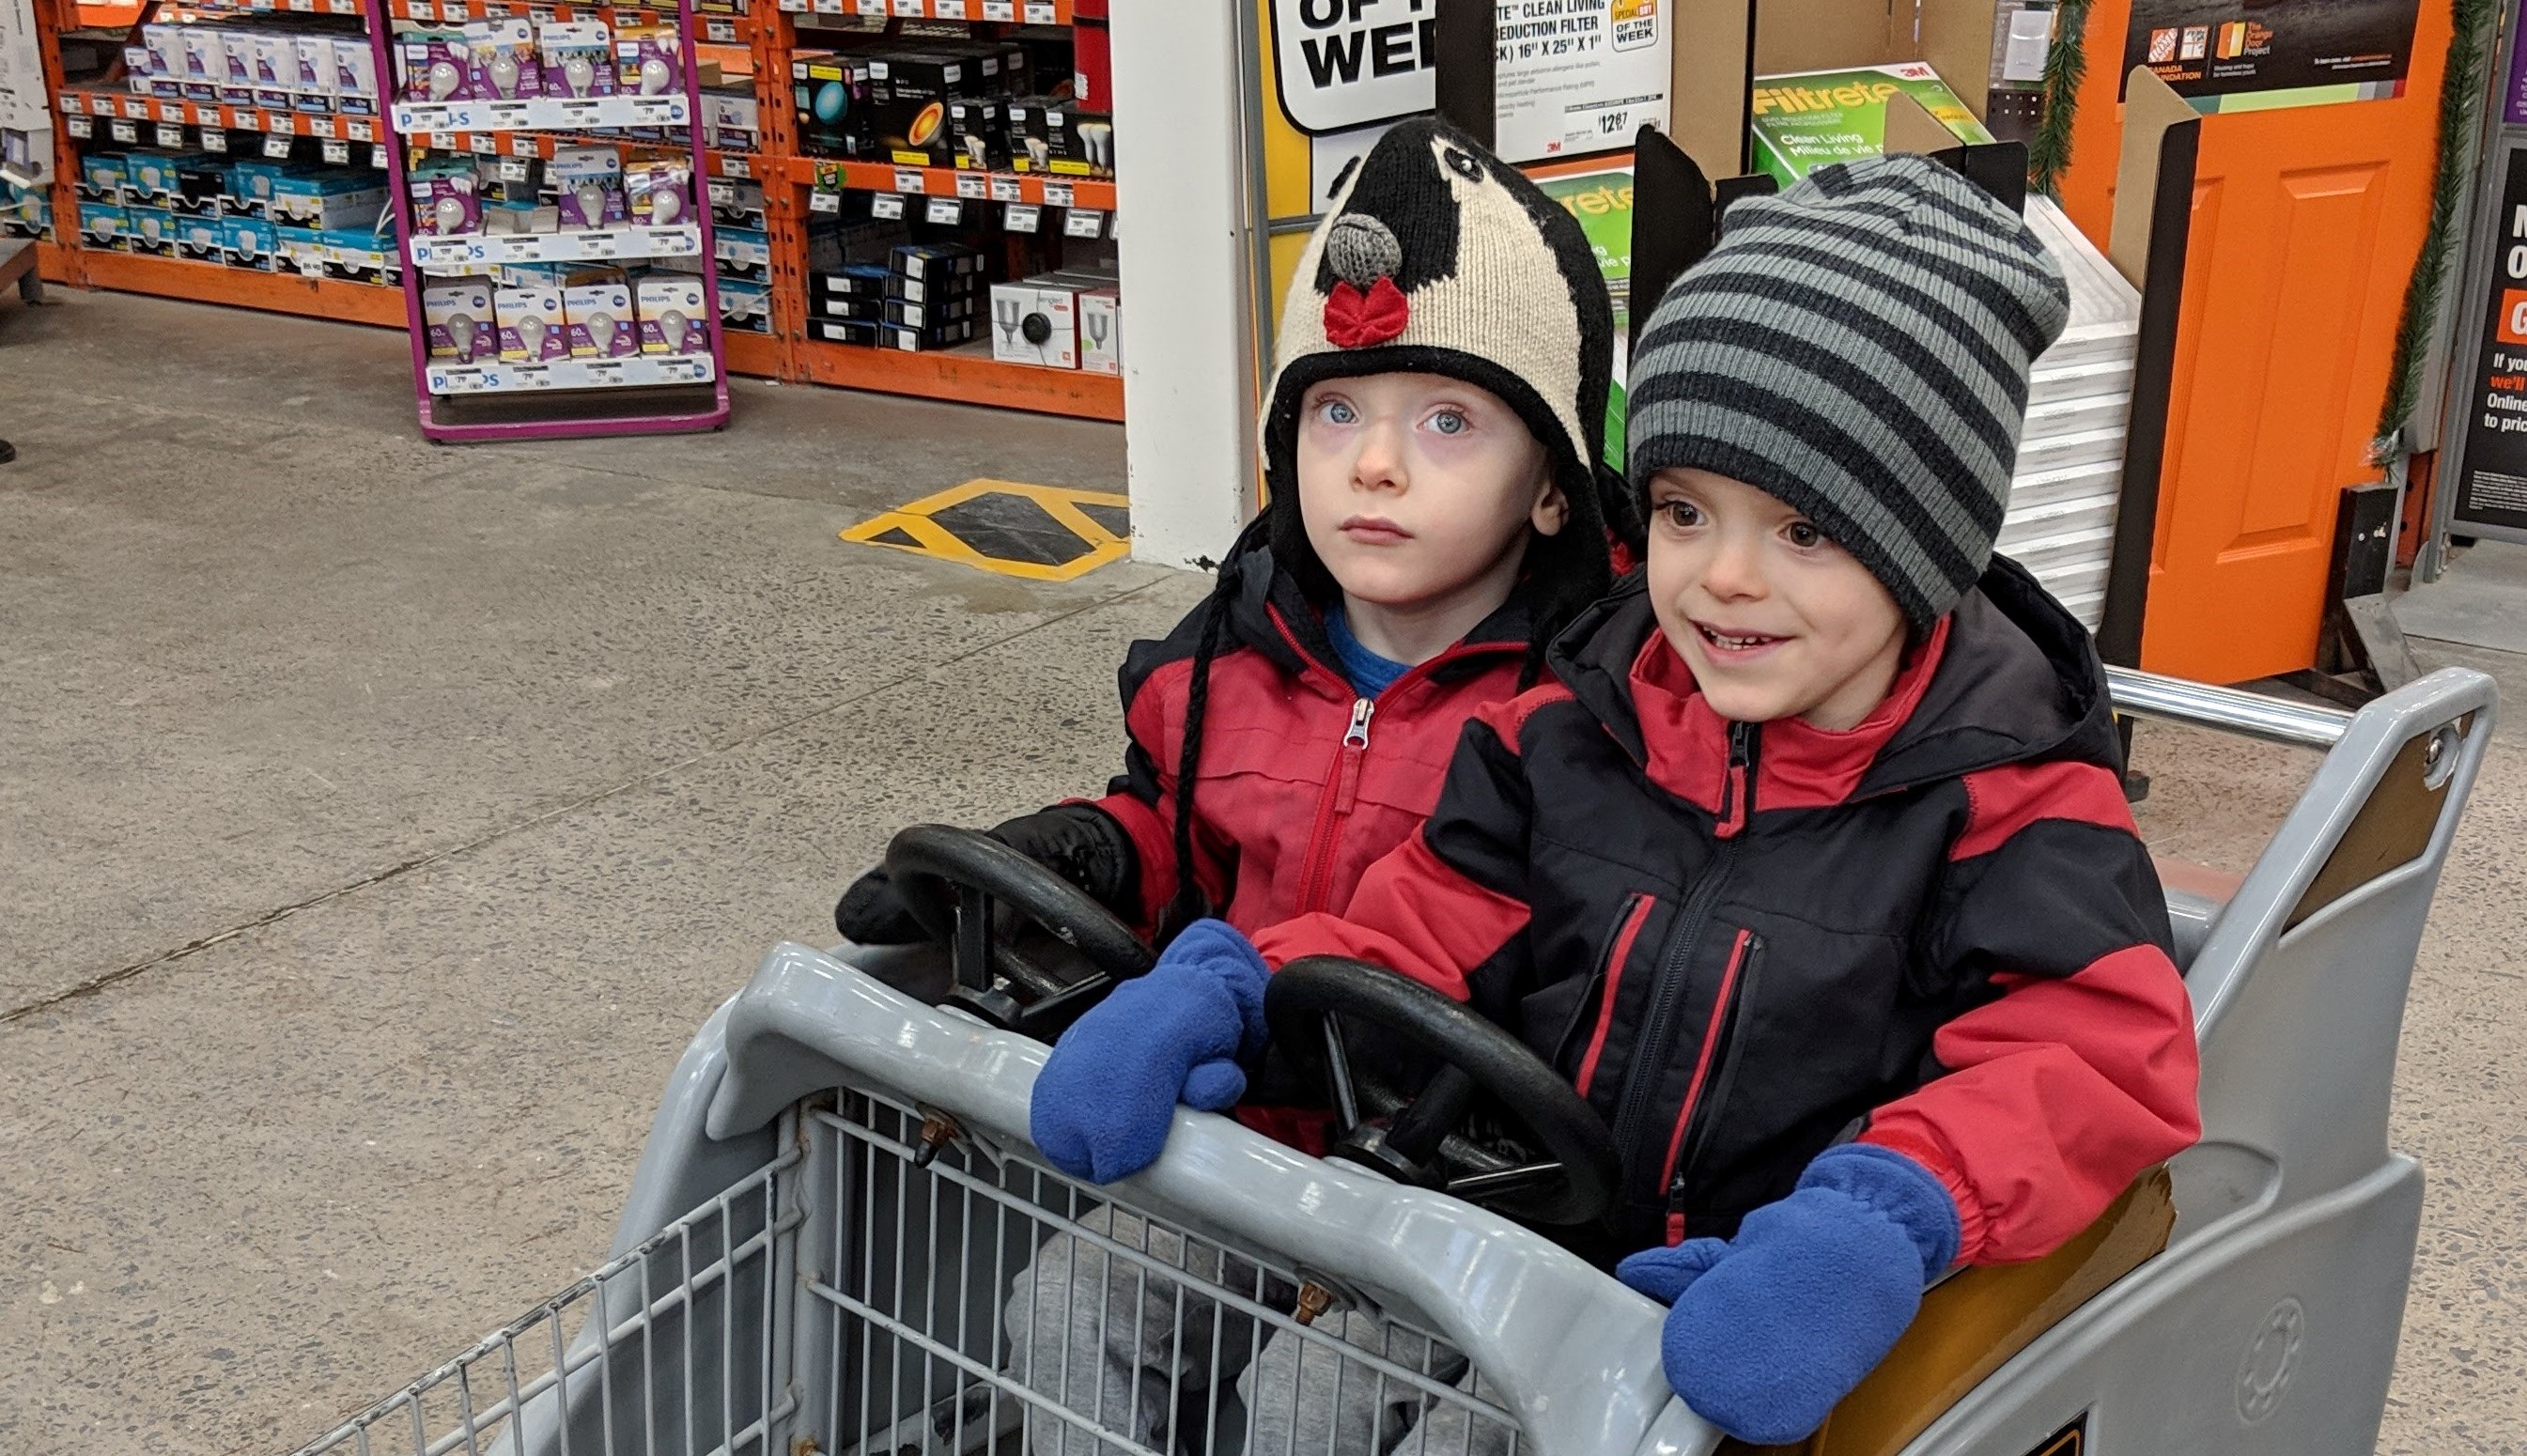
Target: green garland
(2066,60)
(2460,88)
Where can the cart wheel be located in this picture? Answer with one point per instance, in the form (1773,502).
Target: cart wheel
(1422,1139)
(978,897)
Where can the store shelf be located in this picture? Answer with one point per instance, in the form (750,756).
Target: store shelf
(966,376)
(239,288)
(458,11)
(109,106)
(758,354)
(543,114)
(826,175)
(1006,12)
(637,372)
(483,250)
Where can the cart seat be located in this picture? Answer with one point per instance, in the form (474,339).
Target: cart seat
(2196,896)
(1974,1321)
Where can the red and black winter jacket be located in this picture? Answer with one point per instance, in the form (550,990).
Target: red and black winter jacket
(1303,784)
(1744,943)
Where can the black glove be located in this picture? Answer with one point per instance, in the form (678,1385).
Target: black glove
(1080,842)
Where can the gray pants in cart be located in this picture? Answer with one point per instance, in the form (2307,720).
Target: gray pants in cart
(1145,1357)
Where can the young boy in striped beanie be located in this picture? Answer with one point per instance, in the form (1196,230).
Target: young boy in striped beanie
(1812,873)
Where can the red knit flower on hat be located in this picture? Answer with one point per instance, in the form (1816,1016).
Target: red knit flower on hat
(1355,320)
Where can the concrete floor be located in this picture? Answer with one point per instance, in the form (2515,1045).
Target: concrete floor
(377,820)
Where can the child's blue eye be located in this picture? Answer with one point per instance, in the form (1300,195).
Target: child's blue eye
(1449,422)
(1337,412)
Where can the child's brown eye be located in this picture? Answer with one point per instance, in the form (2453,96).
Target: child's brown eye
(1681,514)
(1804,534)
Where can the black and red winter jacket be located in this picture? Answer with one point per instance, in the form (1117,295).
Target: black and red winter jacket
(1743,943)
(1303,784)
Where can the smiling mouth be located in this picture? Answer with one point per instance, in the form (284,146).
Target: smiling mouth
(1735,644)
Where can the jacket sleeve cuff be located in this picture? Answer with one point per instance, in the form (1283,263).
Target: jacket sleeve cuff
(1153,849)
(1972,1227)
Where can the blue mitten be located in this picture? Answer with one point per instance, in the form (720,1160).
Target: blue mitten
(1773,1329)
(1103,1101)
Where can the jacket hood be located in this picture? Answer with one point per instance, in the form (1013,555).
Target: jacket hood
(2008,676)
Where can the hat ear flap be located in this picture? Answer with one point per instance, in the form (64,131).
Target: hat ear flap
(1673,223)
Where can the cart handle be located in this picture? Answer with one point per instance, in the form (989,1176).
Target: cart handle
(2149,695)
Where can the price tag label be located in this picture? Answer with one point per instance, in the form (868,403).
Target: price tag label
(307,6)
(887,205)
(214,139)
(73,104)
(377,158)
(1000,10)
(515,170)
(80,128)
(1022,217)
(140,109)
(1006,188)
(276,148)
(441,141)
(1039,13)
(128,132)
(337,153)
(485,144)
(833,202)
(523,146)
(170,135)
(498,12)
(948,10)
(719,28)
(322,126)
(358,131)
(721,194)
(946,210)
(910,9)
(595,244)
(1083,223)
(793,7)
(870,7)
(972,184)
(734,167)
(1056,194)
(541,15)
(908,180)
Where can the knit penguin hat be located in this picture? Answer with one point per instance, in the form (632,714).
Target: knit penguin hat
(1858,347)
(1436,257)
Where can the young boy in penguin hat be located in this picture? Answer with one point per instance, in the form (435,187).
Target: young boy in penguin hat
(1431,445)
(1813,872)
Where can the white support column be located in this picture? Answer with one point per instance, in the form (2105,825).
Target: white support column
(1186,246)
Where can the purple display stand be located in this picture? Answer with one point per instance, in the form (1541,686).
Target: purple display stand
(572,403)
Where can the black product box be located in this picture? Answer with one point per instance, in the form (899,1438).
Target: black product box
(200,191)
(980,125)
(944,336)
(936,262)
(1053,138)
(934,291)
(1042,52)
(909,96)
(857,281)
(840,306)
(928,315)
(844,331)
(832,94)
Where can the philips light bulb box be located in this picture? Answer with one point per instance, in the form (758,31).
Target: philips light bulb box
(166,46)
(457,318)
(248,242)
(649,60)
(658,194)
(746,307)
(205,64)
(675,316)
(328,199)
(578,59)
(533,327)
(276,70)
(506,63)
(447,197)
(236,68)
(197,239)
(435,64)
(355,77)
(602,323)
(587,183)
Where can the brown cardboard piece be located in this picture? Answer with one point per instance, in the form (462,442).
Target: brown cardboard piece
(2149,109)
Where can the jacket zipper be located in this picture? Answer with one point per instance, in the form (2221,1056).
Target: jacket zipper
(1333,808)
(1719,1057)
(1667,994)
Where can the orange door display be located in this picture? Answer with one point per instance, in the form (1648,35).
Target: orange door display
(2306,223)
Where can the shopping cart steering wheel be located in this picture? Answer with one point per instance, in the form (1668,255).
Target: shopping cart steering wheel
(1562,1170)
(957,883)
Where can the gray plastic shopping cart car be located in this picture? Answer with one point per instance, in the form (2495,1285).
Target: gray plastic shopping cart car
(840,1241)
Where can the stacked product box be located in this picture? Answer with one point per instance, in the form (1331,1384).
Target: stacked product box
(543,313)
(934,103)
(1060,321)
(927,297)
(280,62)
(24,212)
(253,213)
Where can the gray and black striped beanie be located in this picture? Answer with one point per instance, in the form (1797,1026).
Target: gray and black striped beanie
(1858,347)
